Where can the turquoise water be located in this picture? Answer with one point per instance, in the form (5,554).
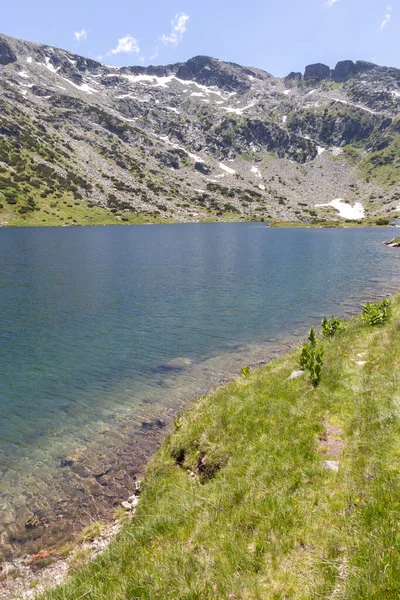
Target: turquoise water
(104,328)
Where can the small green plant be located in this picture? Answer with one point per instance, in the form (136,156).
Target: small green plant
(245,372)
(330,327)
(178,424)
(311,358)
(376,313)
(91,532)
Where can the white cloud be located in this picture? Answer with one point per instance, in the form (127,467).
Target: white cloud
(387,18)
(128,45)
(178,25)
(330,3)
(80,35)
(153,56)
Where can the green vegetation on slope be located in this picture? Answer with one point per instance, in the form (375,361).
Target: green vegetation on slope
(238,503)
(383,165)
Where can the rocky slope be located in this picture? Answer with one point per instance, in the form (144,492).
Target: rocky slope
(82,142)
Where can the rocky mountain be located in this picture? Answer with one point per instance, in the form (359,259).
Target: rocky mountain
(83,142)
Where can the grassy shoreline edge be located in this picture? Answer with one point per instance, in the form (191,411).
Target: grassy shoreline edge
(239,502)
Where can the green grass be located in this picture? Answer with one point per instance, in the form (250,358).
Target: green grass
(383,166)
(238,505)
(69,211)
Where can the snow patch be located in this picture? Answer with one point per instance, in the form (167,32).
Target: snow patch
(261,187)
(336,151)
(356,105)
(29,59)
(163,82)
(320,150)
(284,119)
(83,88)
(49,66)
(152,79)
(197,95)
(237,111)
(345,210)
(287,92)
(125,119)
(23,74)
(256,171)
(192,156)
(175,110)
(27,85)
(227,169)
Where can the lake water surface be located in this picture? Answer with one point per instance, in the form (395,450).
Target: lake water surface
(106,332)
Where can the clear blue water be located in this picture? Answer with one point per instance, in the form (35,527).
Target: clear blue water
(91,318)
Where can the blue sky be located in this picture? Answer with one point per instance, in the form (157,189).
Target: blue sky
(278,36)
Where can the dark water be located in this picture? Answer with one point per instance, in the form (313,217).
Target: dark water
(93,320)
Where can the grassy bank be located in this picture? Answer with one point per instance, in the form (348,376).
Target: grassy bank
(239,505)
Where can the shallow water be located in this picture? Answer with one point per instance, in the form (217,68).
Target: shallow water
(106,332)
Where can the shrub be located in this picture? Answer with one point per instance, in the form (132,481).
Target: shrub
(245,372)
(330,327)
(376,313)
(311,358)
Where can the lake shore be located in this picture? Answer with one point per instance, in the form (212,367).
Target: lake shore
(188,476)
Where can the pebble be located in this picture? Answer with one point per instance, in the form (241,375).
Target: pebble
(126,505)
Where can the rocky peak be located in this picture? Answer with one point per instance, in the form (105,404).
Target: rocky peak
(317,71)
(343,70)
(7,56)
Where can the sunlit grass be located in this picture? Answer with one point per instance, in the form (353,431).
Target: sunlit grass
(238,504)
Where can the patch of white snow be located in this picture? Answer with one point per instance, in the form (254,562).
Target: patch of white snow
(227,169)
(175,110)
(50,67)
(345,210)
(83,88)
(256,171)
(237,111)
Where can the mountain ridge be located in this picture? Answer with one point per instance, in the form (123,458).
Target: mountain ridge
(153,142)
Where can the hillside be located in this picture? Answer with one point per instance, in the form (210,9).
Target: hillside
(270,488)
(82,142)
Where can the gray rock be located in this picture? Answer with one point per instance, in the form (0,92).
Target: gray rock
(296,374)
(332,465)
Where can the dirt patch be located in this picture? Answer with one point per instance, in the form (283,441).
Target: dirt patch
(330,443)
